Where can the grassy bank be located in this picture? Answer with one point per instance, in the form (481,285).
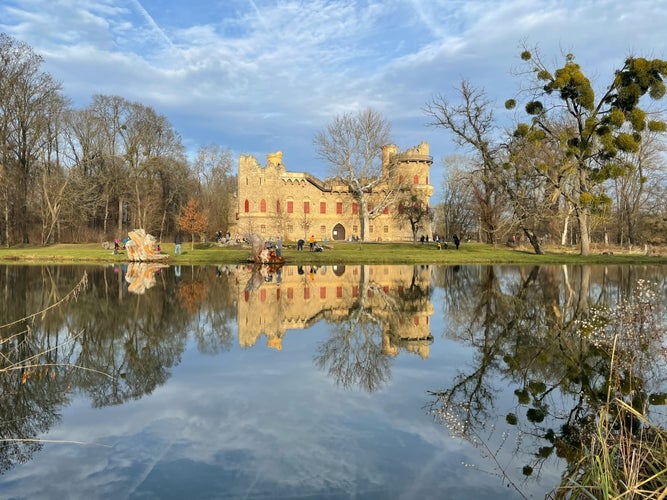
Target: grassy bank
(340,253)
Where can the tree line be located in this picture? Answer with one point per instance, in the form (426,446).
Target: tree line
(75,175)
(576,166)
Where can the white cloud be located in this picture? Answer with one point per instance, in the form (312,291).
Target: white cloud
(259,75)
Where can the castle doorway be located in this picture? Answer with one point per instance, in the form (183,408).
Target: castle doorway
(338,232)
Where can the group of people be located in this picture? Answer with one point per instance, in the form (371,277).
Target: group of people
(314,246)
(441,242)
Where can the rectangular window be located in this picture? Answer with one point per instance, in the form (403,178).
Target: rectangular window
(306,207)
(306,293)
(290,228)
(290,207)
(355,209)
(339,292)
(323,230)
(262,228)
(339,207)
(370,228)
(323,207)
(385,229)
(323,292)
(290,293)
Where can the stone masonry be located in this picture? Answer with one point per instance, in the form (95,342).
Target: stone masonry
(273,202)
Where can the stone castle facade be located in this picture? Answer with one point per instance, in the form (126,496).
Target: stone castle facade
(273,202)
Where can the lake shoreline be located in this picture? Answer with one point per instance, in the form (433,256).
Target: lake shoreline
(343,253)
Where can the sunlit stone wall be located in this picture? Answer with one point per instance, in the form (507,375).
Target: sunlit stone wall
(273,202)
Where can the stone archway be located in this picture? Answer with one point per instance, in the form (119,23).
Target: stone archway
(338,232)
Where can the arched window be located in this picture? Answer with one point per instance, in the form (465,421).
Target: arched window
(246,206)
(416,179)
(262,206)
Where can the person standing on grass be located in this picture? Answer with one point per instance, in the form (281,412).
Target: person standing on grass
(456,241)
(177,244)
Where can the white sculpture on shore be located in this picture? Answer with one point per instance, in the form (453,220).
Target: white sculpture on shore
(142,247)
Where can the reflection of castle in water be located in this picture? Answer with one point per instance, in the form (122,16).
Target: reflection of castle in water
(270,302)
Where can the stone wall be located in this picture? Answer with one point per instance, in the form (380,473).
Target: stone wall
(273,202)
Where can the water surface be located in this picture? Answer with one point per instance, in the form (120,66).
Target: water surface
(302,382)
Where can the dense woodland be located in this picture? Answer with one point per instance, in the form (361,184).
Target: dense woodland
(576,167)
(82,175)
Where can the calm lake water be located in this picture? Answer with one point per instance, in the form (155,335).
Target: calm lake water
(332,382)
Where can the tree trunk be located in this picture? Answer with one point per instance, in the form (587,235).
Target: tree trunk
(534,241)
(7,223)
(363,217)
(583,216)
(563,234)
(120,216)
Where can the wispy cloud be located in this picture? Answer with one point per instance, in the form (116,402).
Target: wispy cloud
(260,75)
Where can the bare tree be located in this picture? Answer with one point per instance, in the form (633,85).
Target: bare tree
(413,210)
(213,168)
(639,191)
(458,213)
(27,96)
(472,125)
(352,146)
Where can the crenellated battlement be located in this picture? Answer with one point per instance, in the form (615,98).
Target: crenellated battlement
(273,202)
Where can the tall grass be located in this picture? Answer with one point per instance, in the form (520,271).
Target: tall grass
(625,457)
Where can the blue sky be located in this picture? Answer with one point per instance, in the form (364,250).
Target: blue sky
(257,76)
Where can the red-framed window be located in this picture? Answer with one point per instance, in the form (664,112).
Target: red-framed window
(246,206)
(306,207)
(323,207)
(290,207)
(262,206)
(339,207)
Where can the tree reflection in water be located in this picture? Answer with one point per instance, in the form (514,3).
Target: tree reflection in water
(125,344)
(555,350)
(545,333)
(358,350)
(36,373)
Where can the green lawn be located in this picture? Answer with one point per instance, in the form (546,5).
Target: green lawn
(341,253)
